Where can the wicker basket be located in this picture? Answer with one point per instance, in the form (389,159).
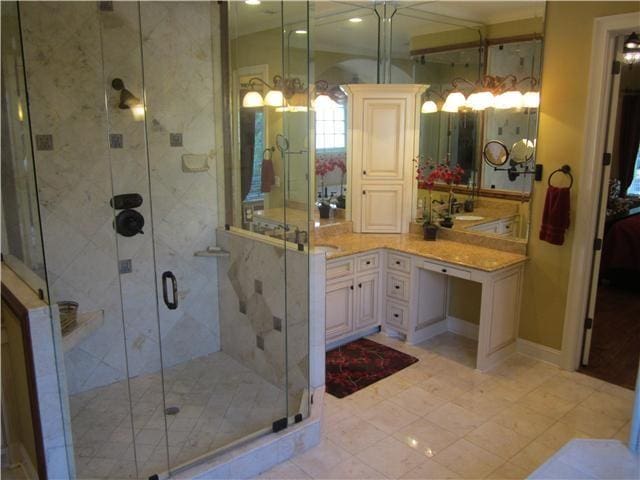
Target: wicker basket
(68,316)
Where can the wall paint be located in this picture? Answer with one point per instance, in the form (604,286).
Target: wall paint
(564,96)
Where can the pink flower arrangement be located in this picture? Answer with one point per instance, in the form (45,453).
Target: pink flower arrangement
(428,174)
(328,162)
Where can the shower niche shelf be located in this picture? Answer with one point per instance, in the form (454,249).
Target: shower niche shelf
(211,252)
(88,323)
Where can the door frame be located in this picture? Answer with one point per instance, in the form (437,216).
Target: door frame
(605,31)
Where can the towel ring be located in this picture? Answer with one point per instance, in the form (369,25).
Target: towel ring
(268,153)
(566,169)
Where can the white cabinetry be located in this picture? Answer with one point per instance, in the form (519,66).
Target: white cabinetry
(384,123)
(353,295)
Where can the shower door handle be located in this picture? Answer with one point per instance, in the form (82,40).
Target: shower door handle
(174,286)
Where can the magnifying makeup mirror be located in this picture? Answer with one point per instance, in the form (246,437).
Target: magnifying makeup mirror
(522,151)
(495,153)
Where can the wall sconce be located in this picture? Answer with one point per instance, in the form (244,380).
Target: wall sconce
(289,95)
(631,49)
(128,101)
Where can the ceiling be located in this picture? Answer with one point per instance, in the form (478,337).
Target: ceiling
(331,30)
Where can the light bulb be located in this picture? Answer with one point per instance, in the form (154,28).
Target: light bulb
(252,2)
(531,100)
(355,20)
(252,100)
(454,101)
(631,57)
(510,99)
(480,100)
(323,102)
(274,98)
(429,107)
(301,32)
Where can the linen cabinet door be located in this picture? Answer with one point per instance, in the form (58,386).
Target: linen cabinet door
(339,309)
(383,145)
(381,208)
(367,287)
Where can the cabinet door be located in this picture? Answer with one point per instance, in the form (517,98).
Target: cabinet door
(367,288)
(383,138)
(339,309)
(381,208)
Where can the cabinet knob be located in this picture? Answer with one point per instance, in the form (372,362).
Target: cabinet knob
(364,192)
(397,287)
(444,270)
(364,172)
(368,262)
(395,315)
(351,287)
(359,285)
(397,262)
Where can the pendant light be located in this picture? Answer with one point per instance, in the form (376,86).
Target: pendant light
(274,98)
(429,107)
(481,100)
(252,99)
(453,102)
(509,99)
(631,49)
(531,100)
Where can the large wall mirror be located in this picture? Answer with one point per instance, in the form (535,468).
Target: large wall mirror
(489,49)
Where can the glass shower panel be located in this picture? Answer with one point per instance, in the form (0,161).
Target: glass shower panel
(298,197)
(69,125)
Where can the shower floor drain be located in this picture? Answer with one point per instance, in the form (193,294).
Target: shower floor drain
(171,410)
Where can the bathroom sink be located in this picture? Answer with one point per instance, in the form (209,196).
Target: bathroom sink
(468,217)
(326,248)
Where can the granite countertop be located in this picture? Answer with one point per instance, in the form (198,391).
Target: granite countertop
(470,256)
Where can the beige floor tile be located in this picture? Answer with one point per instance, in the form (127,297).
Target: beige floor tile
(416,373)
(508,471)
(353,468)
(524,421)
(320,459)
(356,434)
(430,470)
(468,460)
(391,457)
(566,389)
(596,425)
(486,402)
(497,439)
(286,470)
(610,405)
(362,400)
(456,419)
(618,391)
(418,401)
(443,386)
(532,456)
(623,433)
(559,434)
(389,417)
(389,386)
(425,437)
(546,404)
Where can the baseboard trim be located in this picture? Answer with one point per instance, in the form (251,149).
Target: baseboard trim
(539,351)
(463,328)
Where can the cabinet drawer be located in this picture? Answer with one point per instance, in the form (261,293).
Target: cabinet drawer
(400,263)
(447,270)
(340,268)
(397,315)
(368,262)
(398,286)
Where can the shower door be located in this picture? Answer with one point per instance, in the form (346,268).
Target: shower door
(124,121)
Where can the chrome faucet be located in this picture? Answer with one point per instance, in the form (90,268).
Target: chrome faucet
(300,234)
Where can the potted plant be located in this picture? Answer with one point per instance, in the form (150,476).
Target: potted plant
(429,229)
(323,166)
(427,176)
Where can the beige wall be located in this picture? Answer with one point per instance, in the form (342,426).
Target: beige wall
(564,96)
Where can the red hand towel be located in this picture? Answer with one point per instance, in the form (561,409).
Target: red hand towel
(555,217)
(268,176)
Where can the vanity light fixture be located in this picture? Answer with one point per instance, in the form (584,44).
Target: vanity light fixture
(290,95)
(429,106)
(355,20)
(454,101)
(631,49)
(128,101)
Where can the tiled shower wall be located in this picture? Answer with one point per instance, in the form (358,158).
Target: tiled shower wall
(262,327)
(73,51)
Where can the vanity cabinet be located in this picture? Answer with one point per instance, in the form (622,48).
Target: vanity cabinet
(352,295)
(384,124)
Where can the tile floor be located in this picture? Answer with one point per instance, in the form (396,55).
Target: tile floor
(440,418)
(220,401)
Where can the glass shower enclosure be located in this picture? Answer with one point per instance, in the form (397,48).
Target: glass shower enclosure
(184,319)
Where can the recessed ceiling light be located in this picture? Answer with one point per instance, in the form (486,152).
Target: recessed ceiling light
(252,2)
(355,20)
(301,32)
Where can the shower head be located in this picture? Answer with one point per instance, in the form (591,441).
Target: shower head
(128,101)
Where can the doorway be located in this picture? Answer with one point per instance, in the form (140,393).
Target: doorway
(612,329)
